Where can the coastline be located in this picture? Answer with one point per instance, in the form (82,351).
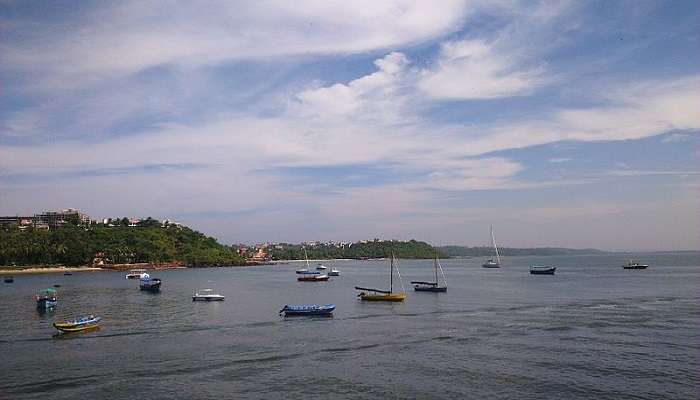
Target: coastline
(44,270)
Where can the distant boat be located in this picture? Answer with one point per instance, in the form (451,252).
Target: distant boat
(423,286)
(334,272)
(308,309)
(491,263)
(313,278)
(78,324)
(541,270)
(136,274)
(321,267)
(8,279)
(46,299)
(67,273)
(207,295)
(370,294)
(149,284)
(634,265)
(308,267)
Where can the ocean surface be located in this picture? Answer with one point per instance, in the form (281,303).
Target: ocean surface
(592,331)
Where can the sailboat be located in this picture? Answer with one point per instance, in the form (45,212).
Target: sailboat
(490,263)
(307,269)
(384,295)
(310,276)
(423,286)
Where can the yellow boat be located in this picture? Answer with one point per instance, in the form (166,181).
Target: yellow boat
(79,324)
(369,294)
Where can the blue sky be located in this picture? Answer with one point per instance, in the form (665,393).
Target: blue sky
(561,123)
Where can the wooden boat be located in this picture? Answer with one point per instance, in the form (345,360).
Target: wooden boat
(46,299)
(634,265)
(149,284)
(207,295)
(307,309)
(423,286)
(369,294)
(136,274)
(541,270)
(491,263)
(8,279)
(313,278)
(78,324)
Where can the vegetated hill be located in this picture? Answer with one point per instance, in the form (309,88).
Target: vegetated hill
(359,250)
(485,251)
(78,245)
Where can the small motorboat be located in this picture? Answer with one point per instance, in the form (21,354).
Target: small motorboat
(78,324)
(313,278)
(46,299)
(334,272)
(207,295)
(634,265)
(541,270)
(308,309)
(8,279)
(136,274)
(149,284)
(305,271)
(321,267)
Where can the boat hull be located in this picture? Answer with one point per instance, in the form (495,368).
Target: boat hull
(46,303)
(394,297)
(308,310)
(200,298)
(334,273)
(77,326)
(434,289)
(313,278)
(543,271)
(635,266)
(152,285)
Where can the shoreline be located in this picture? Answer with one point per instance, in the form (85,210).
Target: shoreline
(45,270)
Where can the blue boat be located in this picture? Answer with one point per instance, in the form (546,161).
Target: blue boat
(307,309)
(46,299)
(148,283)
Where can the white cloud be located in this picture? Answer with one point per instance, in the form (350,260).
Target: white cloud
(474,69)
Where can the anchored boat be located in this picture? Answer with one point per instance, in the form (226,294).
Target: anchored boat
(312,277)
(148,283)
(46,299)
(8,279)
(423,286)
(334,272)
(78,324)
(634,265)
(491,263)
(307,309)
(370,294)
(541,270)
(136,274)
(207,295)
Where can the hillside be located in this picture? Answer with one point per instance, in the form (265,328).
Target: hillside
(78,245)
(359,250)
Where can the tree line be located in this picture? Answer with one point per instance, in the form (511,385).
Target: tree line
(360,250)
(79,245)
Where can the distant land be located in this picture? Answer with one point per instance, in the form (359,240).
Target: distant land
(484,251)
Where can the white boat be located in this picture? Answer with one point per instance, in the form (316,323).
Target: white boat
(334,272)
(321,267)
(207,295)
(136,274)
(308,267)
(491,263)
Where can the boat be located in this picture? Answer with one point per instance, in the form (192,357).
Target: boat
(634,265)
(423,286)
(46,299)
(491,263)
(67,273)
(148,283)
(308,267)
(78,324)
(334,272)
(542,270)
(207,295)
(135,274)
(8,279)
(321,267)
(307,309)
(370,294)
(312,278)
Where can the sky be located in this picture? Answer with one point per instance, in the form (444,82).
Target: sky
(560,123)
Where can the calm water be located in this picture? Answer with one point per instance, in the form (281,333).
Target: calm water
(593,331)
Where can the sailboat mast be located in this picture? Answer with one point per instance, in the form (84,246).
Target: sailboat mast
(307,258)
(493,240)
(391,274)
(435,264)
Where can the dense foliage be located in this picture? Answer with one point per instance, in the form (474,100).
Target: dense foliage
(360,250)
(78,245)
(459,251)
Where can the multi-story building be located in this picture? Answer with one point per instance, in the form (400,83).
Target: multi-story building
(46,219)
